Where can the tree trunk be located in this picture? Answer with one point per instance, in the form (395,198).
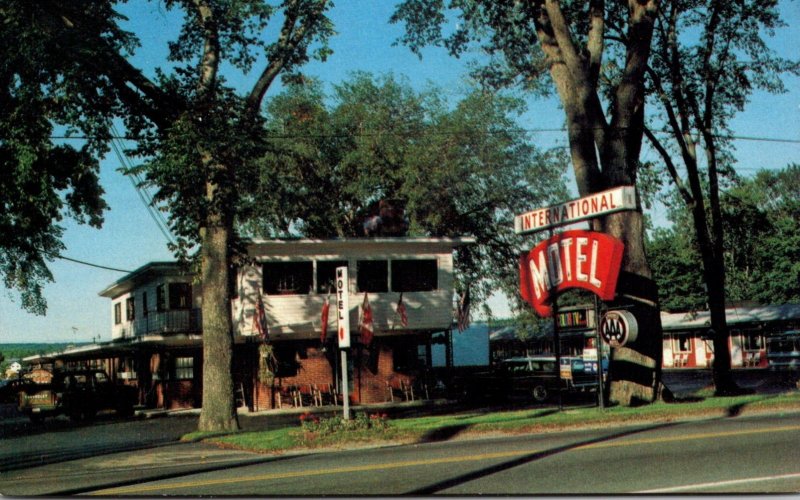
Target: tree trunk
(218,412)
(721,369)
(635,369)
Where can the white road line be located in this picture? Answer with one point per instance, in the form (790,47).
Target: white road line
(702,486)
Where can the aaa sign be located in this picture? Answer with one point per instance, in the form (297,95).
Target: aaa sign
(572,259)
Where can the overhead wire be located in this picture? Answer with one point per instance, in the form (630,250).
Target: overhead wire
(138,184)
(57,255)
(448,132)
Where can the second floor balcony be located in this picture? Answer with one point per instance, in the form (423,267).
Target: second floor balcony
(167,322)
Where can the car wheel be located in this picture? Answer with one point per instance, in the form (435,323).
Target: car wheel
(75,414)
(540,393)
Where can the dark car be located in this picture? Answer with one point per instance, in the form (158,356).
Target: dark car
(78,394)
(530,377)
(527,378)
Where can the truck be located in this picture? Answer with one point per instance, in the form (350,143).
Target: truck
(79,394)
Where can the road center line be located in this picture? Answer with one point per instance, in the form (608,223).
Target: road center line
(732,482)
(126,490)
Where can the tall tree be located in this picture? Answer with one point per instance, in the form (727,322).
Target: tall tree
(700,82)
(196,132)
(595,55)
(42,182)
(457,167)
(761,217)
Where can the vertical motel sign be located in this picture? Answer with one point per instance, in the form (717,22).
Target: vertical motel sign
(572,259)
(342,307)
(343,331)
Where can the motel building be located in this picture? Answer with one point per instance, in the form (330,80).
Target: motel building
(761,336)
(156,327)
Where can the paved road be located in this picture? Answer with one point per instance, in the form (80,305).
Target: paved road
(730,455)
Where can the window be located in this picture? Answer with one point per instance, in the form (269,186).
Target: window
(752,341)
(414,275)
(288,278)
(161,298)
(373,276)
(406,357)
(326,275)
(130,309)
(681,344)
(180,296)
(184,368)
(117,313)
(144,304)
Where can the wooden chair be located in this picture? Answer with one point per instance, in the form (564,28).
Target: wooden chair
(284,395)
(306,395)
(326,394)
(394,387)
(408,389)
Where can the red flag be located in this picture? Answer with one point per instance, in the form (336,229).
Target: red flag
(401,310)
(325,308)
(260,319)
(366,321)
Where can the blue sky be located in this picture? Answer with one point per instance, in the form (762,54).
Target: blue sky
(129,238)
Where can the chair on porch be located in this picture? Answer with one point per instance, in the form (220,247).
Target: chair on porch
(394,387)
(326,394)
(285,395)
(307,396)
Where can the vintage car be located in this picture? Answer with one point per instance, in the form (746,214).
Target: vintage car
(530,378)
(77,393)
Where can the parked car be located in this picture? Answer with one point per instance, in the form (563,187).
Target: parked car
(77,393)
(533,377)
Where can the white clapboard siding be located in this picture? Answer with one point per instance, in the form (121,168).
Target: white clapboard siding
(299,316)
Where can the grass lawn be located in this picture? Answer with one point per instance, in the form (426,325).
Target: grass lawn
(477,422)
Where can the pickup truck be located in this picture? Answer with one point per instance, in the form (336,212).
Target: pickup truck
(77,393)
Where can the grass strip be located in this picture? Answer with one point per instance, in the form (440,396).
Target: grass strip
(477,422)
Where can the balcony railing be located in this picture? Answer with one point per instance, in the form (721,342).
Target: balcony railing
(175,321)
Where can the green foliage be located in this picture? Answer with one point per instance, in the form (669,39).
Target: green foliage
(761,217)
(460,168)
(43,181)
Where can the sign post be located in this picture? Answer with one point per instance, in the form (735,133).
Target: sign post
(343,331)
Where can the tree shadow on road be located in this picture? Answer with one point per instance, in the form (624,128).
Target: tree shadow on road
(532,457)
(448,432)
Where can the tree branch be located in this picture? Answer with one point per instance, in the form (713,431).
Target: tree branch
(290,38)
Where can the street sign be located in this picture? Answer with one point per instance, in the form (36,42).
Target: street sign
(619,328)
(343,307)
(594,205)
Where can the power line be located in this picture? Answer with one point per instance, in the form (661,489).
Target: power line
(443,132)
(137,183)
(62,257)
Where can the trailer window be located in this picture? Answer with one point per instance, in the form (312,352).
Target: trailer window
(373,276)
(326,275)
(681,344)
(288,278)
(415,275)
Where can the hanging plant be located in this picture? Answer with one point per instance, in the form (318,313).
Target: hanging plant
(266,364)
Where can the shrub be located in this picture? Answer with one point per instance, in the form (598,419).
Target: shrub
(334,425)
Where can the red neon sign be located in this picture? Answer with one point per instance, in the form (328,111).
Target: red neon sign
(572,259)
